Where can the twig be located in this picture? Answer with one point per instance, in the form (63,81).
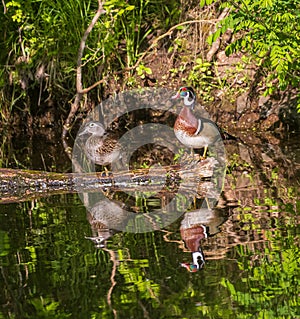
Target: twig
(4,7)
(80,91)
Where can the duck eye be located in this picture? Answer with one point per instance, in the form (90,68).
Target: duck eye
(92,124)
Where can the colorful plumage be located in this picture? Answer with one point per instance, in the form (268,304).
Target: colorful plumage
(198,261)
(190,267)
(193,132)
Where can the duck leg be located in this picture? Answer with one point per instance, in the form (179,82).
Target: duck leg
(205,151)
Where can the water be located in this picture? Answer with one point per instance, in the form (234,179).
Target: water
(51,269)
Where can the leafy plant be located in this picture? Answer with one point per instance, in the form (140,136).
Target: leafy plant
(142,70)
(40,42)
(201,76)
(269,31)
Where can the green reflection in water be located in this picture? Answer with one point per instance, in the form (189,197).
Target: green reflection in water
(50,270)
(4,243)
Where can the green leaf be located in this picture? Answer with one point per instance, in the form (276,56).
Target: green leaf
(129,8)
(267,3)
(202,3)
(148,70)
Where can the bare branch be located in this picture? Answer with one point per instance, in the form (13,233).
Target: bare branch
(4,7)
(79,93)
(99,12)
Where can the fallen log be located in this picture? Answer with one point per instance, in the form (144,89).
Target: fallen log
(21,185)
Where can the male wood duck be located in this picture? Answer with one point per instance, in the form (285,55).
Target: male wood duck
(192,236)
(99,147)
(189,130)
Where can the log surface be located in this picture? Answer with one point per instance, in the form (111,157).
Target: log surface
(20,185)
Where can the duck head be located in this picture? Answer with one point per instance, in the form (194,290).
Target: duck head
(198,262)
(188,95)
(94,128)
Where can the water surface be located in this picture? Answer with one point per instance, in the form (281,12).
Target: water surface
(50,268)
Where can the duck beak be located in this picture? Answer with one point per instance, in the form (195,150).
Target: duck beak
(176,96)
(189,267)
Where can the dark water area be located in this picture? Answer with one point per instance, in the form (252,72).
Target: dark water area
(247,245)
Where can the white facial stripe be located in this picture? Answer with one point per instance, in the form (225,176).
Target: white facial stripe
(188,102)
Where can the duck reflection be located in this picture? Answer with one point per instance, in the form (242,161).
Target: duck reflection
(100,236)
(195,226)
(192,237)
(101,216)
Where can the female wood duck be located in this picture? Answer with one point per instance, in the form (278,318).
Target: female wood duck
(189,130)
(100,148)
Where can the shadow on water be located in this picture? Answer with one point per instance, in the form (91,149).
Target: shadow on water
(239,258)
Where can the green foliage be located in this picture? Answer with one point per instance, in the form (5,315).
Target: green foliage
(4,243)
(128,24)
(142,71)
(205,2)
(271,287)
(40,42)
(201,76)
(269,30)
